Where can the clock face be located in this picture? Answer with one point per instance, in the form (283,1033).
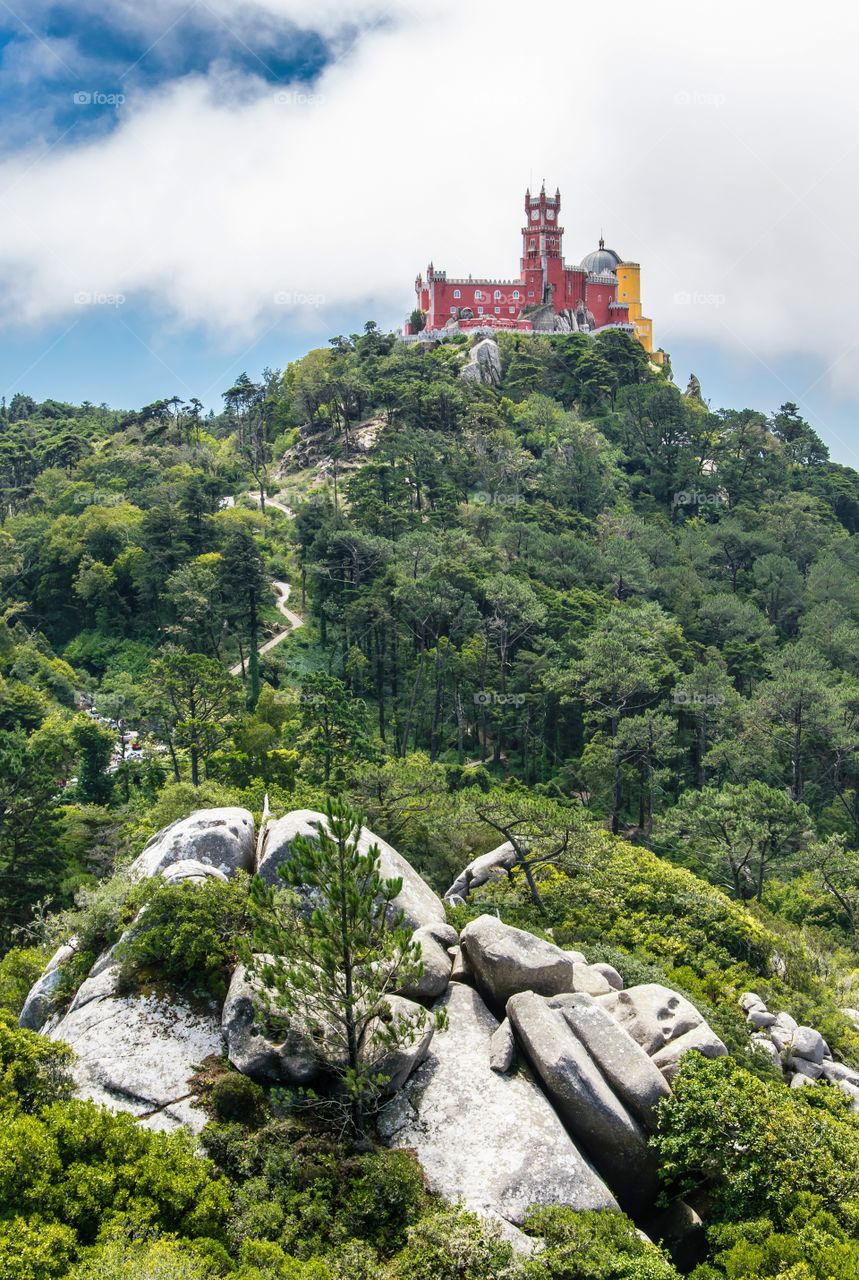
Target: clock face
(550,213)
(535,213)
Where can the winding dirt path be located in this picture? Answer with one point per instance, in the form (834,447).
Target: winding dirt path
(283,592)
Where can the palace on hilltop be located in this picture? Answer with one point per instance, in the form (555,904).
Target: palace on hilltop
(548,296)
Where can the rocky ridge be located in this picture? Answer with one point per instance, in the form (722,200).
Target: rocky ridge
(542,1088)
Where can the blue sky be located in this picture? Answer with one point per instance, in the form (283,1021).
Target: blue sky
(169,175)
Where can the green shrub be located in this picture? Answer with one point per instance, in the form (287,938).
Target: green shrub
(33,1069)
(32,1249)
(453,1245)
(235,1097)
(141,1260)
(82,1167)
(592,1246)
(756,1145)
(19,969)
(188,935)
(812,1240)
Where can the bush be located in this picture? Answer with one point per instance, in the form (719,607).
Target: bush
(453,1245)
(86,1169)
(235,1097)
(188,936)
(592,1246)
(19,969)
(756,1146)
(812,1242)
(33,1069)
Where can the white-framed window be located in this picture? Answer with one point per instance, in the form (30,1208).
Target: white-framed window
(498,311)
(457,293)
(532,244)
(477,293)
(515,293)
(530,293)
(453,310)
(497,294)
(512,311)
(480,311)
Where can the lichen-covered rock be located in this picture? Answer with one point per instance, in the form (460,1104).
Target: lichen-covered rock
(435,940)
(590,1109)
(220,838)
(502,1048)
(139,1052)
(635,1078)
(491,1140)
(590,981)
(759,1018)
(251,1047)
(397,1064)
(189,869)
(505,960)
(419,904)
(41,1003)
(652,1014)
(702,1039)
(611,975)
(488,866)
(484,363)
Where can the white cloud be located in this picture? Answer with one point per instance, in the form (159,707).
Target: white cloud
(713,142)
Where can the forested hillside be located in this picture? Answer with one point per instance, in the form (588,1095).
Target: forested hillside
(562,604)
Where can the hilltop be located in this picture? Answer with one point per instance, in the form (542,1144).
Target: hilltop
(582,651)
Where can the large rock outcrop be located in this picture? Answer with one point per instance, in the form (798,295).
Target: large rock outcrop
(219,838)
(584,1099)
(139,1052)
(484,363)
(419,904)
(492,1140)
(505,960)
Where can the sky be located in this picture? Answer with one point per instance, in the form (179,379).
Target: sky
(189,190)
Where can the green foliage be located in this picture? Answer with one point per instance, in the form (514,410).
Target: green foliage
(188,936)
(812,1246)
(33,1070)
(337,950)
(453,1245)
(718,1109)
(234,1097)
(592,1246)
(19,969)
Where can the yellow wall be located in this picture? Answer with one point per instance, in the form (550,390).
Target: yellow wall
(629,292)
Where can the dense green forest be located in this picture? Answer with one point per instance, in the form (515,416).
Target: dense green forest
(578,605)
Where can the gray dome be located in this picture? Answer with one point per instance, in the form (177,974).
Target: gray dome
(601,262)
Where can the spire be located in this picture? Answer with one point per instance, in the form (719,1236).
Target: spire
(602,242)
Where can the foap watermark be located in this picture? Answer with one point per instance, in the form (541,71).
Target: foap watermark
(96,98)
(485,499)
(298,98)
(492,698)
(295,298)
(693,698)
(697,298)
(698,498)
(92,298)
(698,98)
(99,498)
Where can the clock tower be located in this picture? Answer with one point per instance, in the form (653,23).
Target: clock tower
(542,260)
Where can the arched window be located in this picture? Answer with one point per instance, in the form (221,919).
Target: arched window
(497,294)
(515,293)
(457,293)
(477,293)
